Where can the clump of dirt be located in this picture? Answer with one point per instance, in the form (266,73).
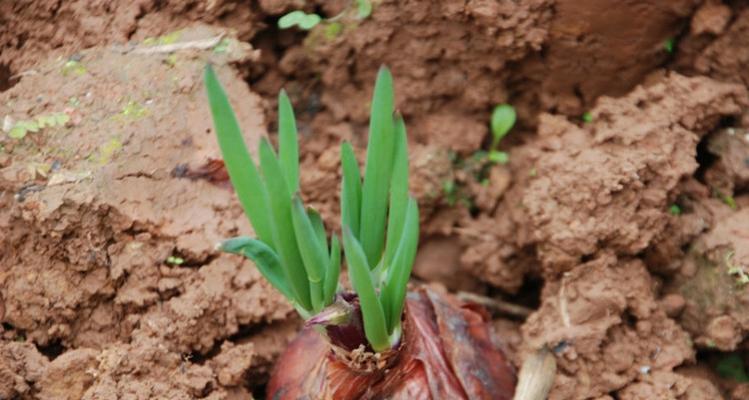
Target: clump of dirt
(432,66)
(52,28)
(728,175)
(21,365)
(591,41)
(669,385)
(717,44)
(714,283)
(625,166)
(606,329)
(606,185)
(142,369)
(108,242)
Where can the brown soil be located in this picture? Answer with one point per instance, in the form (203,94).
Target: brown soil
(110,286)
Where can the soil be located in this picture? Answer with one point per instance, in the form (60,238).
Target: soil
(632,221)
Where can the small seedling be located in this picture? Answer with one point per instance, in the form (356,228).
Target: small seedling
(73,67)
(299,18)
(308,21)
(503,119)
(106,152)
(669,44)
(169,38)
(674,209)
(726,198)
(587,117)
(132,110)
(731,366)
(222,46)
(730,201)
(450,191)
(742,278)
(174,260)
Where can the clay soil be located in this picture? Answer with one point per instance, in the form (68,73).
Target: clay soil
(625,233)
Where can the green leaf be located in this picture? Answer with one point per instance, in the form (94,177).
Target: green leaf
(398,192)
(394,292)
(668,45)
(372,313)
(378,169)
(350,189)
(299,18)
(45,120)
(222,46)
(265,259)
(17,132)
(282,225)
(499,157)
(244,176)
(334,270)
(174,260)
(309,21)
(732,367)
(317,223)
(364,8)
(313,254)
(290,19)
(60,119)
(503,119)
(29,126)
(288,150)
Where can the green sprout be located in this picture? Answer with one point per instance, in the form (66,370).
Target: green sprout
(21,128)
(587,117)
(132,110)
(308,21)
(669,44)
(222,46)
(742,278)
(379,219)
(731,366)
(174,260)
(726,198)
(364,9)
(503,119)
(299,18)
(169,38)
(674,209)
(332,30)
(73,67)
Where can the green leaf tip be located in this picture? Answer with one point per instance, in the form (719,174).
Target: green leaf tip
(503,119)
(242,171)
(380,151)
(266,260)
(288,141)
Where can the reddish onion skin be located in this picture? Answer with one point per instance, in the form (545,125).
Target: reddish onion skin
(447,354)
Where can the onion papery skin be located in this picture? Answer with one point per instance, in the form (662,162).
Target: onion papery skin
(446,353)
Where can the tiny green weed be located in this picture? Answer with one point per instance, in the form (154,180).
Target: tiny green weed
(502,121)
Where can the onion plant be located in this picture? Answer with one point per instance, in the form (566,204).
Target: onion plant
(291,247)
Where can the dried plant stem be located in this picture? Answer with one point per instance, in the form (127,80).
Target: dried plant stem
(499,306)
